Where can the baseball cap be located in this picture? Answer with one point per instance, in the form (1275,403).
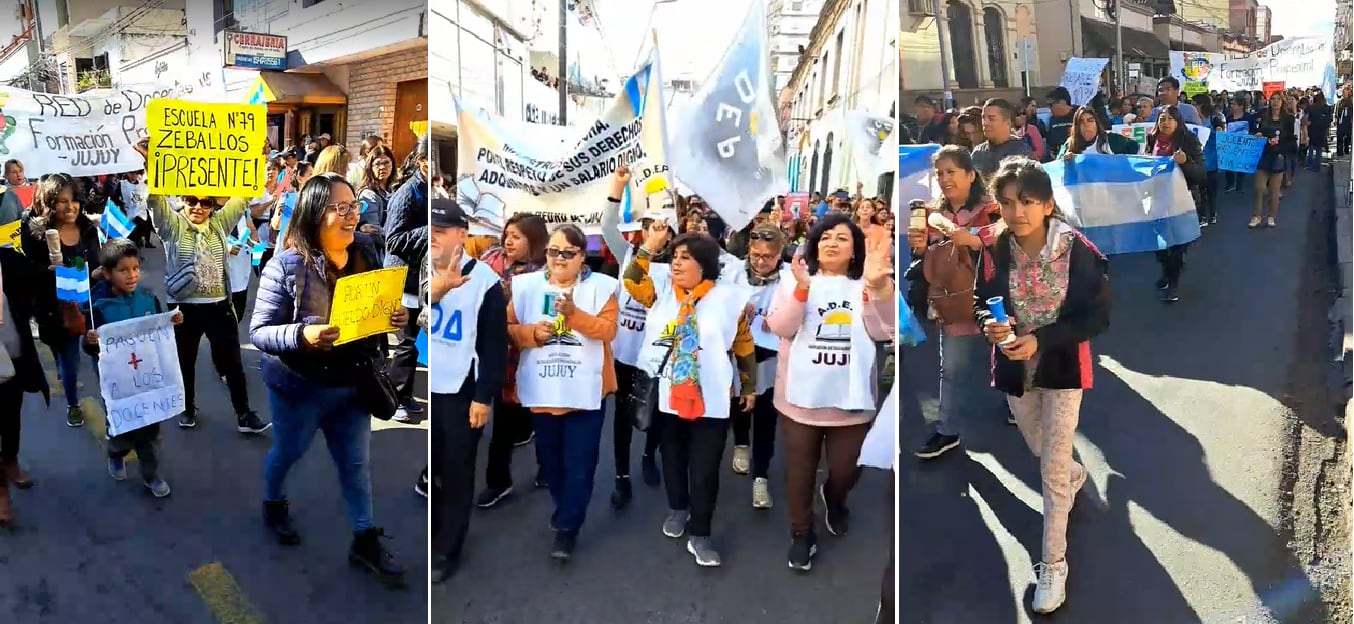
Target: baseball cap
(447,213)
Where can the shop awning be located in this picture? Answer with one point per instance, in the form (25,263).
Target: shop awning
(1187,47)
(1099,36)
(287,88)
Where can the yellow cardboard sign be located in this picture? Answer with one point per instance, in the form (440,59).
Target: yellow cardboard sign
(10,233)
(206,150)
(1192,87)
(364,302)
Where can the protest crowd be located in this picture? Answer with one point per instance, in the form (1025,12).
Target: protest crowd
(1000,273)
(324,218)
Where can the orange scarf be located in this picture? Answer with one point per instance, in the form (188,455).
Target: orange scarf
(685,396)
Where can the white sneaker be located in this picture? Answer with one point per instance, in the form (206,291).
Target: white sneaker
(742,460)
(1269,222)
(1051,591)
(1254,223)
(761,493)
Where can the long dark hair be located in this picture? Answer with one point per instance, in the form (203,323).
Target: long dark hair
(410,166)
(1077,145)
(303,234)
(856,267)
(1030,180)
(963,159)
(533,228)
(369,180)
(1178,139)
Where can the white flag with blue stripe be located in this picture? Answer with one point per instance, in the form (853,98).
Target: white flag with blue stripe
(731,152)
(72,284)
(1126,204)
(114,222)
(916,179)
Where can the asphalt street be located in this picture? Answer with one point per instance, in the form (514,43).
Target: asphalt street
(1183,434)
(90,549)
(626,571)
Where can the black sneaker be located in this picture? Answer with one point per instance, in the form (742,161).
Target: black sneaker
(1170,294)
(444,568)
(491,496)
(937,445)
(75,417)
(188,419)
(620,498)
(368,552)
(1203,223)
(802,549)
(648,467)
(836,519)
(249,422)
(421,487)
(1213,220)
(277,517)
(1162,283)
(563,550)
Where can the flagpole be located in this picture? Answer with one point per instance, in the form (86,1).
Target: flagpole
(563,63)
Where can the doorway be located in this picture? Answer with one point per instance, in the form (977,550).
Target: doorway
(411,104)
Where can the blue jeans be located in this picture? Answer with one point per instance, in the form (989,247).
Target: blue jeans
(347,433)
(963,381)
(567,447)
(67,355)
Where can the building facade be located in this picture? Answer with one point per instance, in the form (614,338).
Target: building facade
(789,24)
(849,64)
(1264,20)
(346,69)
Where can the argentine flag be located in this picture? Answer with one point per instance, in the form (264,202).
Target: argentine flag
(1125,204)
(916,179)
(114,222)
(72,284)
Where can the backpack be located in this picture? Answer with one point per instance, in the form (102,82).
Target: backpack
(950,275)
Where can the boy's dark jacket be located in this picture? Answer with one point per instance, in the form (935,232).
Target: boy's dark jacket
(1064,348)
(110,308)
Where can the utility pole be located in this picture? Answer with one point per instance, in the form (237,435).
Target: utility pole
(948,99)
(1118,47)
(563,63)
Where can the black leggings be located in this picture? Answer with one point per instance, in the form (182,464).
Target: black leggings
(622,428)
(11,407)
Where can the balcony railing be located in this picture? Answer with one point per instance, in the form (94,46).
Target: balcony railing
(94,79)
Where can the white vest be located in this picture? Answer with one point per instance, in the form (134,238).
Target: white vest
(632,315)
(453,326)
(717,320)
(832,356)
(565,373)
(240,267)
(761,297)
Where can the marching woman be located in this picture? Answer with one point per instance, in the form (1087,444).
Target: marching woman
(563,318)
(691,313)
(754,432)
(467,344)
(828,318)
(1089,136)
(314,385)
(521,251)
(1055,287)
(1171,138)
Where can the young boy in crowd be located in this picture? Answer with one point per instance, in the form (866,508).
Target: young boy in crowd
(125,299)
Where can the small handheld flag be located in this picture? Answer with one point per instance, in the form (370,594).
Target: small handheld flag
(114,223)
(72,284)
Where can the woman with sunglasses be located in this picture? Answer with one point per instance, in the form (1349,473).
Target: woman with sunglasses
(633,319)
(692,312)
(60,323)
(313,384)
(563,318)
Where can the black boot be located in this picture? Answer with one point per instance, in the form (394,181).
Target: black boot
(444,568)
(648,465)
(368,552)
(277,517)
(620,499)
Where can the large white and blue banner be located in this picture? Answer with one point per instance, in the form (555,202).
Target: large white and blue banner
(731,152)
(509,166)
(1125,204)
(916,179)
(1296,61)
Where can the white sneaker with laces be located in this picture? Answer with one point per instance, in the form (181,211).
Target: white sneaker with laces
(1254,223)
(1051,591)
(742,460)
(761,493)
(1269,222)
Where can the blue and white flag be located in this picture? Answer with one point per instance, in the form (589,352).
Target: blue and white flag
(114,222)
(731,152)
(1125,204)
(72,284)
(916,178)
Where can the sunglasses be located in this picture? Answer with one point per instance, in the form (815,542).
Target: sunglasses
(564,254)
(343,209)
(193,202)
(762,236)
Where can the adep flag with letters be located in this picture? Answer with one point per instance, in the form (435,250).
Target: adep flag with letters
(139,373)
(1125,204)
(72,134)
(509,166)
(206,149)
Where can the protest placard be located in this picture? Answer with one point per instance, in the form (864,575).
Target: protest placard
(1138,132)
(10,234)
(561,174)
(1270,88)
(77,135)
(206,149)
(364,302)
(1295,60)
(1238,151)
(1192,88)
(139,374)
(1239,126)
(1081,77)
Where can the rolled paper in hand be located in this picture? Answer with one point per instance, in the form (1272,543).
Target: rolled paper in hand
(997,306)
(939,222)
(54,246)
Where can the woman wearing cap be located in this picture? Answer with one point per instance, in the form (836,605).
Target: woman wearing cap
(563,318)
(467,345)
(313,384)
(828,318)
(692,312)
